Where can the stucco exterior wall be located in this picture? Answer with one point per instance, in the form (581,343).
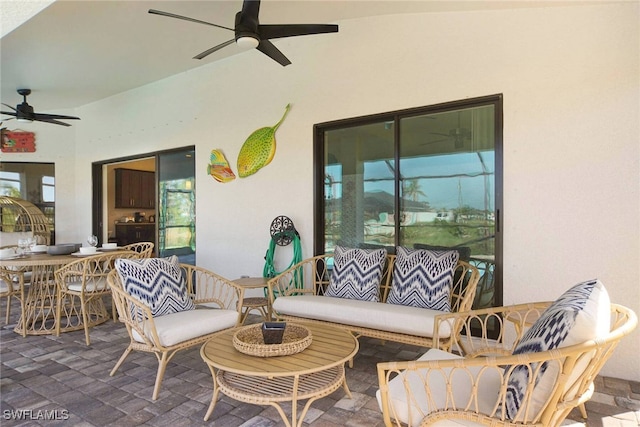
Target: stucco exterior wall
(570,80)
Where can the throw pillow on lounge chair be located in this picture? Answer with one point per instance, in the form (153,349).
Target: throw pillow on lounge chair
(580,314)
(156,282)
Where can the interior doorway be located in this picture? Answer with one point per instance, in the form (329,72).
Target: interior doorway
(148,197)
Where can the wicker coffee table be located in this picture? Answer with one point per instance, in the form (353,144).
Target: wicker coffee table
(311,374)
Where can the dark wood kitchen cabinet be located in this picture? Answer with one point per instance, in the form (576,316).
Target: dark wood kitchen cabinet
(133,232)
(135,189)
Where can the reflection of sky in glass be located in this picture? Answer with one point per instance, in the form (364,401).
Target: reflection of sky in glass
(449,181)
(48,189)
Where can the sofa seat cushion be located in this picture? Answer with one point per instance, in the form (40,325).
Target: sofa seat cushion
(185,325)
(356,273)
(423,278)
(375,315)
(412,413)
(98,285)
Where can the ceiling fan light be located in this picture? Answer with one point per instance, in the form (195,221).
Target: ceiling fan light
(247,42)
(24,120)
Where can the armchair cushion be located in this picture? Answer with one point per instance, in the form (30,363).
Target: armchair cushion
(185,325)
(157,283)
(408,398)
(97,285)
(423,278)
(356,273)
(580,314)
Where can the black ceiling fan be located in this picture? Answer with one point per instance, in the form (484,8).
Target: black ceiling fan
(249,33)
(24,112)
(457,135)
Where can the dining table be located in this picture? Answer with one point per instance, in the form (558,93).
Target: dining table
(39,315)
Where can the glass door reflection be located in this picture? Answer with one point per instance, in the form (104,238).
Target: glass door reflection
(176,205)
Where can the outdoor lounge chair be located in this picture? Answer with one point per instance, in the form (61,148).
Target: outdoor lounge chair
(210,306)
(502,381)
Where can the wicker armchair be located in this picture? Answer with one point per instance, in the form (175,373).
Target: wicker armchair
(85,281)
(145,249)
(12,285)
(167,334)
(443,388)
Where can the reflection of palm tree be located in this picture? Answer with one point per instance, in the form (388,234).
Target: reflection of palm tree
(411,190)
(9,190)
(328,182)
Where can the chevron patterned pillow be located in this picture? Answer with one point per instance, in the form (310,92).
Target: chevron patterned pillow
(356,273)
(581,313)
(156,282)
(423,278)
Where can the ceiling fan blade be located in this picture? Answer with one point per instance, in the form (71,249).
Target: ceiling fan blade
(291,30)
(7,105)
(186,18)
(213,49)
(435,142)
(43,116)
(52,121)
(272,52)
(9,113)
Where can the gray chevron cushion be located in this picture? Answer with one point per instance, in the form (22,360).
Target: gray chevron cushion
(423,278)
(581,313)
(156,282)
(356,273)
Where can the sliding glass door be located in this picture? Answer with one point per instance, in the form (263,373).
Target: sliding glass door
(425,177)
(176,205)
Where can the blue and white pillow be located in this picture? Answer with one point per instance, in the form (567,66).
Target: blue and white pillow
(423,278)
(156,282)
(356,273)
(582,313)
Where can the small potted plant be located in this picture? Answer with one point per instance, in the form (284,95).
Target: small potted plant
(272,332)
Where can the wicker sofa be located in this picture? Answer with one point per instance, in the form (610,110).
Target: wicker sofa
(298,294)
